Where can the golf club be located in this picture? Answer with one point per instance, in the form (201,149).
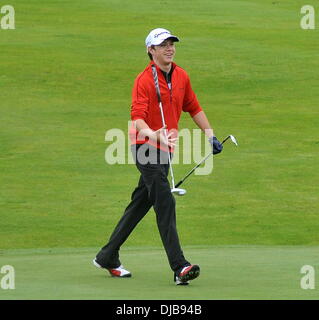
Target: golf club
(175,190)
(231,137)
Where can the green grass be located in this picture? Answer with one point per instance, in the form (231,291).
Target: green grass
(66,76)
(65,84)
(228,272)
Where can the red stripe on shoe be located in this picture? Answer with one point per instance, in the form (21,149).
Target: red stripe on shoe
(115,273)
(182,274)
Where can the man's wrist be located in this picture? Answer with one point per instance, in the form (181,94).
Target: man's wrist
(209,133)
(148,133)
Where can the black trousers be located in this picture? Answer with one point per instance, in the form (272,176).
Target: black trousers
(153,189)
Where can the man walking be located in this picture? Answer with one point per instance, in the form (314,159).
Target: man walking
(150,141)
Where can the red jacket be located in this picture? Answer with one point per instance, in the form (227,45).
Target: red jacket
(145,104)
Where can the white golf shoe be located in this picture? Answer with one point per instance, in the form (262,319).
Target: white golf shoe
(118,272)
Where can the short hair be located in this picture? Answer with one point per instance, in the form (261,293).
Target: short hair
(149,54)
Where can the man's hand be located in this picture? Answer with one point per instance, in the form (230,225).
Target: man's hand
(144,131)
(159,136)
(163,140)
(217,147)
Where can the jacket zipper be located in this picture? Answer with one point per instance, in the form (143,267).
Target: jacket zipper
(169,85)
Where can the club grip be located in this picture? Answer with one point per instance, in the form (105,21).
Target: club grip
(155,77)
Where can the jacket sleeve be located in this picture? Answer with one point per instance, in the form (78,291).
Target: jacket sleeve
(190,103)
(140,101)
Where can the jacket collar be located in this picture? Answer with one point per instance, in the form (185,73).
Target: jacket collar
(158,68)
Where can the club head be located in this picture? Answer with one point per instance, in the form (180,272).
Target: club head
(232,138)
(178,191)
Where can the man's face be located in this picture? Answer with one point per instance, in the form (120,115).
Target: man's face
(163,53)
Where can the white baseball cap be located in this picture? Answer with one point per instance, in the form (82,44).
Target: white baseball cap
(157,36)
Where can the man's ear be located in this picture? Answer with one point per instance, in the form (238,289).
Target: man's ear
(150,49)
